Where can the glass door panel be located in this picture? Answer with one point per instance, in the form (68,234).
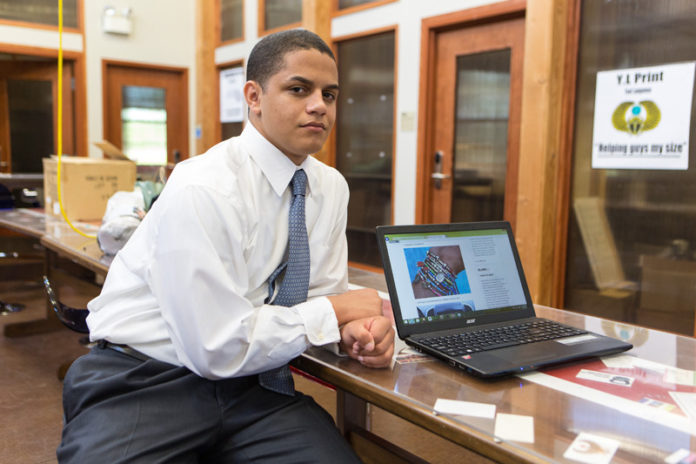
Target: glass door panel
(144,124)
(231,20)
(632,232)
(364,138)
(279,13)
(28,112)
(30,104)
(480,136)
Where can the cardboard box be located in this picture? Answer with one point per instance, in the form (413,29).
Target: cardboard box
(111,151)
(86,185)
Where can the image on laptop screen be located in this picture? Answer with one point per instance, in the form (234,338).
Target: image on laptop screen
(453,274)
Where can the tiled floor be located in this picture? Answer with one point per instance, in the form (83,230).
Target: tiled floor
(30,391)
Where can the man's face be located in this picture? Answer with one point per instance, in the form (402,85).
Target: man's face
(297,108)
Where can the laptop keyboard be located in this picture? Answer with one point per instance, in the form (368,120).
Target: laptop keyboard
(499,337)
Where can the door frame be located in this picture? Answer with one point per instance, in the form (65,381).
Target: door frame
(184,102)
(430,28)
(79,89)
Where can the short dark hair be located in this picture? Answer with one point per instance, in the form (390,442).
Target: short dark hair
(268,55)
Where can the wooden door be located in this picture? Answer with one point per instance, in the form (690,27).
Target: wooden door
(28,113)
(471,161)
(146,112)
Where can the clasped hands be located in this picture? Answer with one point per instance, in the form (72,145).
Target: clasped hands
(366,335)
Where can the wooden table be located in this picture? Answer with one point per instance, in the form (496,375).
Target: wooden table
(561,409)
(58,239)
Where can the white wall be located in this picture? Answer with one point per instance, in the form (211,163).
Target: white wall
(30,37)
(407,15)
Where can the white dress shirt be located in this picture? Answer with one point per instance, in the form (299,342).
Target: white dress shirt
(189,286)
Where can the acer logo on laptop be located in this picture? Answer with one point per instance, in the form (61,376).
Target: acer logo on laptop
(470,321)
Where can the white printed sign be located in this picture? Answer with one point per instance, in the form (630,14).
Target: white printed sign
(231,95)
(642,117)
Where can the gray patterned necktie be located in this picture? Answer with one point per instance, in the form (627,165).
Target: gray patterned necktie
(293,289)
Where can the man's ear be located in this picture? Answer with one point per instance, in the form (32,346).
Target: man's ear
(252,95)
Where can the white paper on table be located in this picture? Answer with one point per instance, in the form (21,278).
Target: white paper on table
(680,376)
(620,361)
(514,427)
(591,449)
(678,456)
(464,408)
(687,403)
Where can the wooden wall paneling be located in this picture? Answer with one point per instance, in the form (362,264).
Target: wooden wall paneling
(68,109)
(426,115)
(541,142)
(80,106)
(316,17)
(565,160)
(395,122)
(207,15)
(261,17)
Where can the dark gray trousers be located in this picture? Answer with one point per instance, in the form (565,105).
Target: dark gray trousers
(119,409)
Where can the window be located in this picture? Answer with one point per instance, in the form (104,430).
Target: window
(364,138)
(481,127)
(231,20)
(144,124)
(39,11)
(632,232)
(346,4)
(280,13)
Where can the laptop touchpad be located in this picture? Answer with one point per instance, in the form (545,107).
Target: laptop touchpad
(527,354)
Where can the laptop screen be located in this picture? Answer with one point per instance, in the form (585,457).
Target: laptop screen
(452,274)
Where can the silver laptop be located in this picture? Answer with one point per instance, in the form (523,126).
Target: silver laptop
(459,293)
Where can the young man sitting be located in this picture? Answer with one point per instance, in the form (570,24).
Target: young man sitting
(239,267)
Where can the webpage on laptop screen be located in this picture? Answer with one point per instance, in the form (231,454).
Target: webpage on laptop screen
(442,276)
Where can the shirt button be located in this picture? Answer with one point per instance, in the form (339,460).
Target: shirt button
(320,335)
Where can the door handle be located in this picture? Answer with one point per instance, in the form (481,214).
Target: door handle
(437,174)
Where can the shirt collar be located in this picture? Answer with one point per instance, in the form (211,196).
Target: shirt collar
(276,167)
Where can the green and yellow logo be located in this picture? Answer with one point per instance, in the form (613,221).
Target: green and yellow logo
(635,118)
